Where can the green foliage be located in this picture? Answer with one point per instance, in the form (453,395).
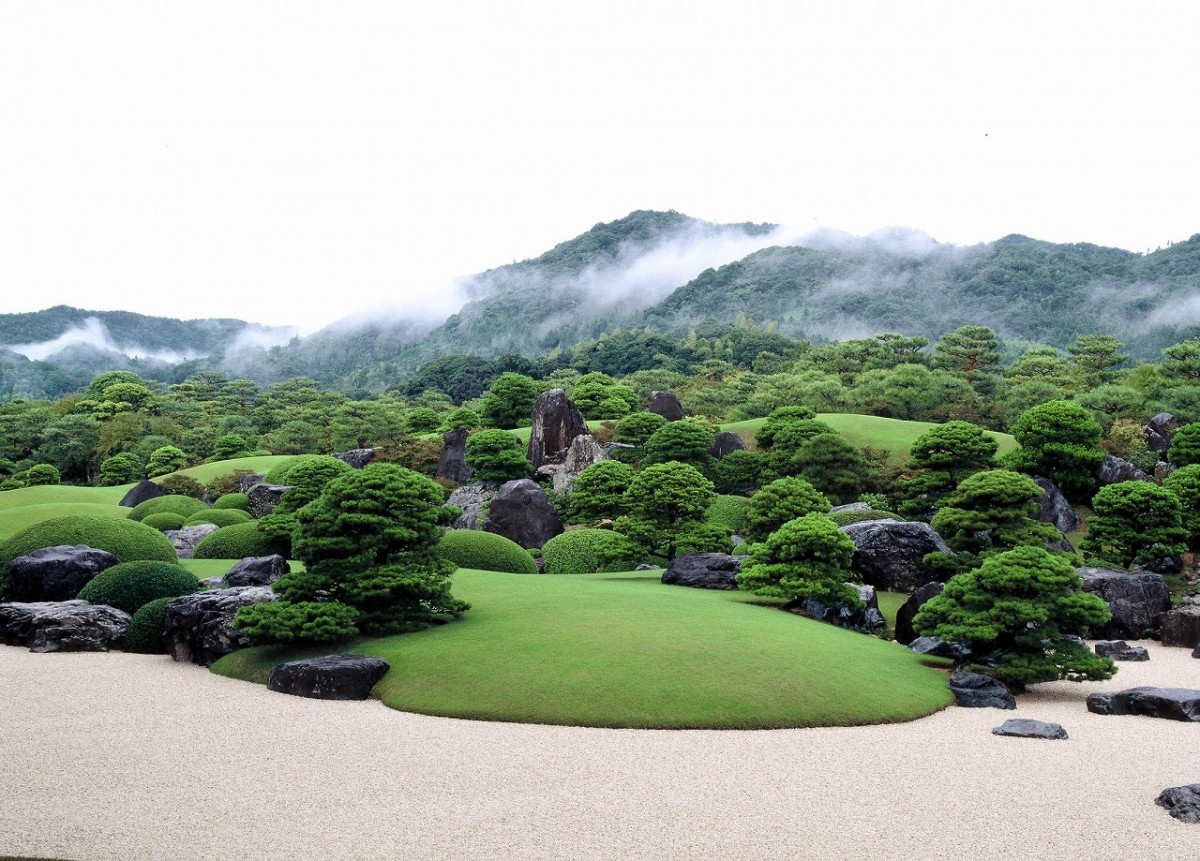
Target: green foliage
(833,466)
(740,471)
(237,542)
(586,551)
(130,585)
(807,557)
(237,501)
(1185,445)
(1060,441)
(971,352)
(599,396)
(1016,609)
(1135,523)
(461,417)
(219,517)
(230,446)
(174,503)
(496,455)
(664,502)
(682,441)
(509,401)
(599,492)
(123,468)
(421,420)
(728,513)
(780,501)
(1185,484)
(166,459)
(485,551)
(178,484)
(298,622)
(859,515)
(145,634)
(990,511)
(164,521)
(281,473)
(941,458)
(308,475)
(765,437)
(37,475)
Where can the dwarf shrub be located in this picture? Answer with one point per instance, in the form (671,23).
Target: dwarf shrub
(130,585)
(173,503)
(587,551)
(219,517)
(281,473)
(236,501)
(729,512)
(236,542)
(145,634)
(164,520)
(468,548)
(178,484)
(859,515)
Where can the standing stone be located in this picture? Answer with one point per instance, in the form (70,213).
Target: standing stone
(1158,432)
(583,452)
(1055,508)
(1138,601)
(140,492)
(344,676)
(889,555)
(726,442)
(905,633)
(452,465)
(1181,627)
(473,500)
(521,512)
(556,422)
(666,405)
(199,628)
(57,573)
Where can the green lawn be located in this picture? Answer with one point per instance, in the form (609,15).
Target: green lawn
(26,506)
(623,650)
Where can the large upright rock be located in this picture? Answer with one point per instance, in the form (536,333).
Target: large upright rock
(1138,601)
(1114,470)
(473,500)
(1158,432)
(665,404)
(726,442)
(57,573)
(140,492)
(904,632)
(556,422)
(199,628)
(452,465)
(521,512)
(61,626)
(1055,508)
(583,452)
(889,555)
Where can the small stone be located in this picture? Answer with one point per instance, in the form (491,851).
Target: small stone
(1182,802)
(1119,650)
(1025,728)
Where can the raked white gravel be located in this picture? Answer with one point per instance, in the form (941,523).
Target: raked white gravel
(117,756)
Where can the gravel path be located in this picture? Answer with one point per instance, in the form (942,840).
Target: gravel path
(117,756)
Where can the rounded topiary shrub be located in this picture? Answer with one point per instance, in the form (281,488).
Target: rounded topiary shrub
(145,632)
(729,512)
(236,501)
(131,585)
(173,503)
(469,548)
(164,520)
(859,515)
(219,517)
(237,542)
(587,551)
(281,473)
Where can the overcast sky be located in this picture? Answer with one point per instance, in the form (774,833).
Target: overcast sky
(289,163)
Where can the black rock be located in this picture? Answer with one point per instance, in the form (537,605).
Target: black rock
(1138,600)
(666,405)
(905,633)
(556,421)
(248,482)
(57,573)
(975,690)
(1196,652)
(452,465)
(703,570)
(1181,627)
(889,555)
(1119,650)
(264,497)
(357,457)
(726,442)
(140,492)
(1055,508)
(521,512)
(1182,802)
(939,648)
(1025,728)
(61,626)
(473,500)
(257,571)
(867,619)
(1114,470)
(1158,432)
(1169,703)
(336,677)
(199,628)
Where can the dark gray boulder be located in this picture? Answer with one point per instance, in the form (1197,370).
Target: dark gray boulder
(61,626)
(1182,802)
(939,648)
(56,573)
(452,464)
(665,404)
(977,691)
(556,422)
(1119,650)
(904,632)
(199,628)
(521,512)
(1181,627)
(867,619)
(356,457)
(140,492)
(726,442)
(248,482)
(1196,652)
(1055,508)
(264,497)
(1158,432)
(473,500)
(334,677)
(1138,600)
(889,555)
(704,570)
(1169,703)
(1026,728)
(185,540)
(1114,470)
(257,571)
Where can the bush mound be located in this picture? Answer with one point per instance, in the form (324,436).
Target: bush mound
(469,548)
(236,542)
(164,520)
(145,632)
(219,517)
(131,585)
(589,551)
(728,512)
(281,473)
(173,503)
(237,501)
(858,515)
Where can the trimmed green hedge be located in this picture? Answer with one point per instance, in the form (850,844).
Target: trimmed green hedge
(172,502)
(282,473)
(219,517)
(145,632)
(729,512)
(236,542)
(237,501)
(131,585)
(858,515)
(164,520)
(485,551)
(589,551)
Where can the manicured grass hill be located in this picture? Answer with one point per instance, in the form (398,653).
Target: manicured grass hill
(26,506)
(623,650)
(206,472)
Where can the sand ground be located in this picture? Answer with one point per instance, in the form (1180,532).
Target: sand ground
(117,756)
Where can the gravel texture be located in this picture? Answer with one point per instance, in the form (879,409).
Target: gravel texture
(117,756)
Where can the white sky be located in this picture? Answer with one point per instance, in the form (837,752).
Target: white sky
(291,162)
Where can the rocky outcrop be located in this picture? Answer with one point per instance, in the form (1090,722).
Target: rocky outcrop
(248,482)
(356,457)
(199,628)
(1119,650)
(1055,508)
(185,540)
(556,422)
(726,442)
(264,497)
(452,465)
(140,492)
(1182,802)
(61,626)
(1169,703)
(889,555)
(56,573)
(521,512)
(334,677)
(582,453)
(473,500)
(256,571)
(868,618)
(1114,470)
(1158,432)
(1026,728)
(977,691)
(904,632)
(665,404)
(1181,627)
(703,570)
(1138,601)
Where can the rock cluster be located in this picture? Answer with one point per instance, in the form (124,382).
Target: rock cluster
(199,628)
(61,626)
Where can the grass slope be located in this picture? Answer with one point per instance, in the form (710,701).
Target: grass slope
(623,650)
(206,472)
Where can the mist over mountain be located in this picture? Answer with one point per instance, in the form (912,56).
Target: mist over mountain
(665,272)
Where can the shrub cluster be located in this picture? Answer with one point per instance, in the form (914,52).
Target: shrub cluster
(587,551)
(486,551)
(219,517)
(130,585)
(173,503)
(164,521)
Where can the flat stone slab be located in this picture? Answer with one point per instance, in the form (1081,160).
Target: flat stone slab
(1119,650)
(335,677)
(1168,703)
(1182,802)
(1025,728)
